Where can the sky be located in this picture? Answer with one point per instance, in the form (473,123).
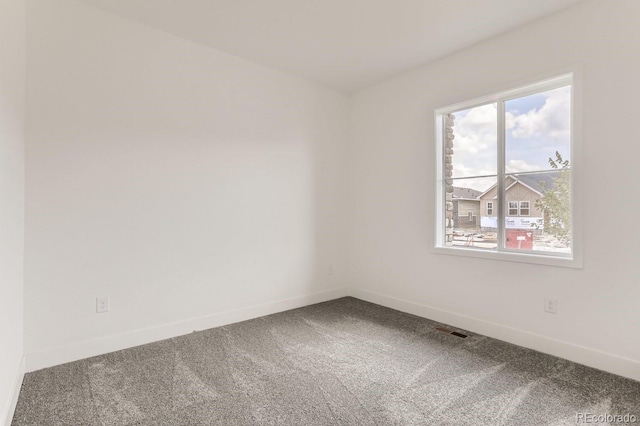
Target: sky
(536,127)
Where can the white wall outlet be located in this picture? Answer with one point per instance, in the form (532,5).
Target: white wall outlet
(551,305)
(102,304)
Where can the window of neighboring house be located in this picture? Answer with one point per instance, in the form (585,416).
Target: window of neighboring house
(470,216)
(513,208)
(506,145)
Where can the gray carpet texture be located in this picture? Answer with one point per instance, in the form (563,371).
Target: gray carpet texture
(343,362)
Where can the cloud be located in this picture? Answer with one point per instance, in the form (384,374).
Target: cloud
(551,120)
(475,142)
(476,128)
(514,166)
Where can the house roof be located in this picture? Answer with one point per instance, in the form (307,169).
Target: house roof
(532,181)
(461,193)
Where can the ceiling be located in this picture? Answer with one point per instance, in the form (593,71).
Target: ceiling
(344,44)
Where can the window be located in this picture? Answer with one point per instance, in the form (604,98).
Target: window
(470,216)
(508,147)
(513,208)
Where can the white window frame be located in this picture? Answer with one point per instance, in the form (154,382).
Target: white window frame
(520,208)
(489,208)
(571,77)
(510,209)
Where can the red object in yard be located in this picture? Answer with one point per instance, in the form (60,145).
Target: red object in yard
(521,239)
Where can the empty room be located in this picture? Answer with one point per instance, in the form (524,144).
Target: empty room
(299,212)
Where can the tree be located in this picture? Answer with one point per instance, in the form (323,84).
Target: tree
(556,201)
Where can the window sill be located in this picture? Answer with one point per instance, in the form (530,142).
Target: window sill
(539,258)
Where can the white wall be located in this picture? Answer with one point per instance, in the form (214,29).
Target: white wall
(393,178)
(12,96)
(180,181)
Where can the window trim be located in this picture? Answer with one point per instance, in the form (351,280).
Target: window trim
(520,208)
(509,208)
(489,208)
(572,76)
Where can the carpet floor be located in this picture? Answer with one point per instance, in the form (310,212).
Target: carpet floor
(344,362)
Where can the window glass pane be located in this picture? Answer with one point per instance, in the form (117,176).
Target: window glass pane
(545,208)
(475,143)
(536,127)
(472,226)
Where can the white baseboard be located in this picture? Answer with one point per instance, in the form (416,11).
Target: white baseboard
(88,348)
(611,363)
(17,384)
(615,364)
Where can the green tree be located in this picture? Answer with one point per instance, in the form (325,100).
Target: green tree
(556,201)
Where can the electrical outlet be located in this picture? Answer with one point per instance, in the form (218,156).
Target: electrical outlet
(551,305)
(330,271)
(102,304)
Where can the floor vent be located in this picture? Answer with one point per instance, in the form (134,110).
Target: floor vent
(454,333)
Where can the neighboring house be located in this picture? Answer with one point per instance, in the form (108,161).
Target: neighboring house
(466,208)
(521,193)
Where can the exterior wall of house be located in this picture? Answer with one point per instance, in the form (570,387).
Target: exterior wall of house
(486,219)
(520,192)
(464,208)
(517,192)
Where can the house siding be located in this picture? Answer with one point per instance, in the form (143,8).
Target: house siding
(518,192)
(464,207)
